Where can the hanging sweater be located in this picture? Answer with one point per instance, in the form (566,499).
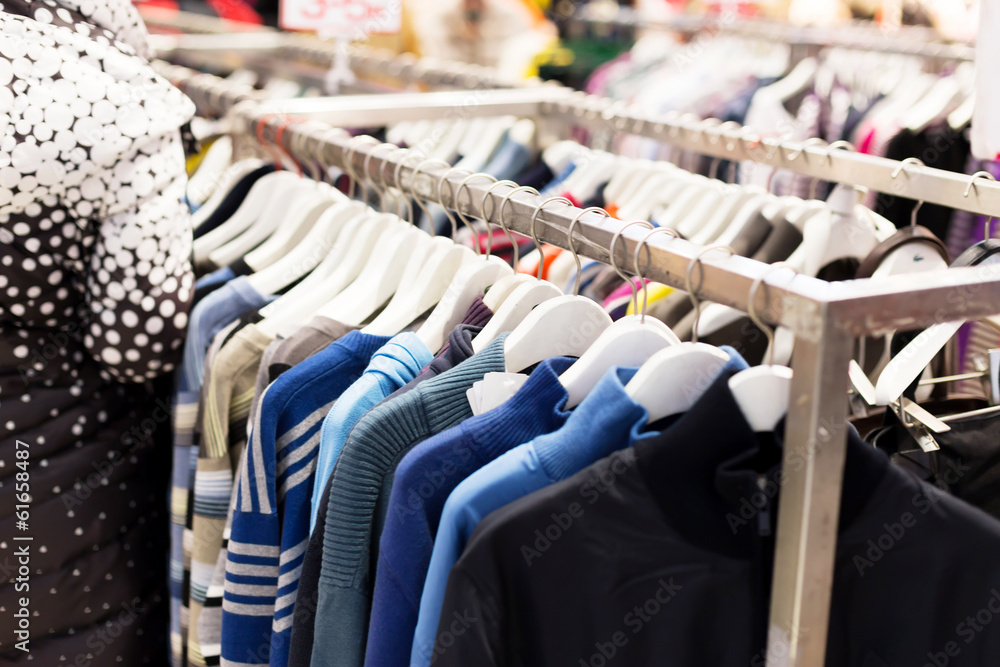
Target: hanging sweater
(359,494)
(392,366)
(423,481)
(270,524)
(605,421)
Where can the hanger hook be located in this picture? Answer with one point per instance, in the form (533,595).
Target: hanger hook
(413,181)
(451,193)
(644,243)
(282,145)
(351,152)
(262,122)
(374,178)
(534,234)
(503,224)
(486,217)
(572,246)
(308,143)
(752,309)
(393,191)
(840,144)
(692,292)
(407,200)
(614,262)
(902,169)
(458,197)
(971,186)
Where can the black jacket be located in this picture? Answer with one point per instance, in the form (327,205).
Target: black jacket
(662,555)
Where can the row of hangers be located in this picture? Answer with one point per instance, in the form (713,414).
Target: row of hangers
(352,261)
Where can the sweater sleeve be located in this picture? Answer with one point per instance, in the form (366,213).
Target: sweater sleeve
(470,628)
(139,282)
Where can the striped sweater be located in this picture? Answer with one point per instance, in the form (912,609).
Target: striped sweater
(207,318)
(359,494)
(270,525)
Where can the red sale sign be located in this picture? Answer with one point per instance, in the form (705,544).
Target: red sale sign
(354,19)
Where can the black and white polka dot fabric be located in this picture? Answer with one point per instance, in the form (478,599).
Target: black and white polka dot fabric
(95,281)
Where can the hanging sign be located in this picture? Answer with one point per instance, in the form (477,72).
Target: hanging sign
(353,19)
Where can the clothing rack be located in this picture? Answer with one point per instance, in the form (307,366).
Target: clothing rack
(906,40)
(825,318)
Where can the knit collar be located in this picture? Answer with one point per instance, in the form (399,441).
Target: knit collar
(400,359)
(459,345)
(605,421)
(710,474)
(478,314)
(443,397)
(537,407)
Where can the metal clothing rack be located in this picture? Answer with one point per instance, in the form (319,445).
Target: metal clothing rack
(906,40)
(825,317)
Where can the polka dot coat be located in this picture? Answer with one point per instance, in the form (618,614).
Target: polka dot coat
(95,282)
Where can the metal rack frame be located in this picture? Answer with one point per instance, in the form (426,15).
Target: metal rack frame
(825,317)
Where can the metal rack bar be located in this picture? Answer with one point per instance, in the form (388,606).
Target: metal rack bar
(923,43)
(707,137)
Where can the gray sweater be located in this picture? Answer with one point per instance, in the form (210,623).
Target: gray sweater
(363,474)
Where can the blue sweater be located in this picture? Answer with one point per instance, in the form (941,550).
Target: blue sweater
(605,421)
(395,364)
(423,481)
(270,527)
(359,491)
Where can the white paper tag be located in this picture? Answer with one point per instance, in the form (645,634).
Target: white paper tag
(497,388)
(473,395)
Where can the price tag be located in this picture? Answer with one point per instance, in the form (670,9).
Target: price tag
(354,19)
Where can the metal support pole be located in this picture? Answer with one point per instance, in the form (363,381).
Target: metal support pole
(809,506)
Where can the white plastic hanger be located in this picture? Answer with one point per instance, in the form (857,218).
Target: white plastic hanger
(469,282)
(295,228)
(910,362)
(674,378)
(762,392)
(288,203)
(630,341)
(525,297)
(231,176)
(308,253)
(561,326)
(443,260)
(380,278)
(268,188)
(498,293)
(302,302)
(483,141)
(204,181)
